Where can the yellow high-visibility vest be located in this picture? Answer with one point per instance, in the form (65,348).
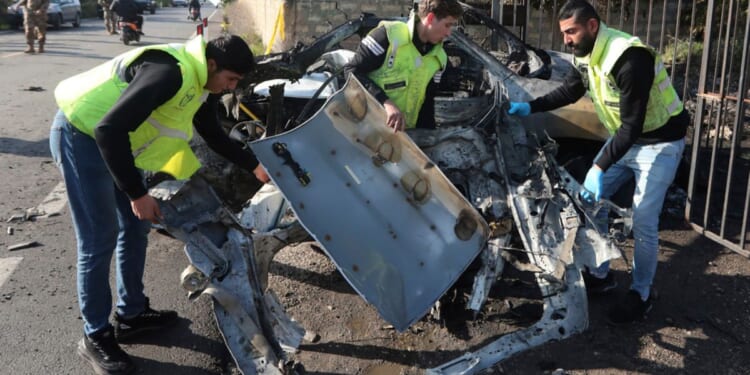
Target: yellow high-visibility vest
(406,73)
(161,143)
(596,70)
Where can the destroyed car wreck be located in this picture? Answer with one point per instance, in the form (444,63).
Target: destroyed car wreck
(414,210)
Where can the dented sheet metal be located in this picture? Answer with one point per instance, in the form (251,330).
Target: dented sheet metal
(396,228)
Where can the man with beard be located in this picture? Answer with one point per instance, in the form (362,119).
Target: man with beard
(635,100)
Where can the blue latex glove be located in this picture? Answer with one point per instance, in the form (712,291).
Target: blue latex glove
(592,186)
(519,109)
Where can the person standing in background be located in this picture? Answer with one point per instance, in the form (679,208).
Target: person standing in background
(110,23)
(34,22)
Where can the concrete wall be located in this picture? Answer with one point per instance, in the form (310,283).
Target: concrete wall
(308,19)
(313,18)
(304,20)
(257,17)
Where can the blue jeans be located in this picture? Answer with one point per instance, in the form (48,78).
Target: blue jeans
(104,223)
(654,167)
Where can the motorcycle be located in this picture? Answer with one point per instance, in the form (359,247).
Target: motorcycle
(128,31)
(194,14)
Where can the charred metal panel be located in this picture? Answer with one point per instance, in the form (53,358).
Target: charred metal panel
(395,227)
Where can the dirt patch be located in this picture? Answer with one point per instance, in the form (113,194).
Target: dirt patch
(699,323)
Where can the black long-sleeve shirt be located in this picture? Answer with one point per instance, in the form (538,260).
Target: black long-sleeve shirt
(153,79)
(370,56)
(127,9)
(633,73)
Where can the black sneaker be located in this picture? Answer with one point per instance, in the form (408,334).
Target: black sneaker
(148,320)
(632,308)
(103,353)
(595,285)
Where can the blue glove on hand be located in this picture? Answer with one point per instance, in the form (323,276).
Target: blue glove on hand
(592,186)
(520,109)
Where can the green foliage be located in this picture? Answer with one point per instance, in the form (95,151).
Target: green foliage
(681,50)
(88,8)
(256,43)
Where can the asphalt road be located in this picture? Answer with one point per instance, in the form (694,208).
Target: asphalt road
(40,322)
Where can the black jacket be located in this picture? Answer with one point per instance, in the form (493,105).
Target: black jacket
(127,9)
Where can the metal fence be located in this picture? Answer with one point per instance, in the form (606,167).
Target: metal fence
(705,45)
(719,189)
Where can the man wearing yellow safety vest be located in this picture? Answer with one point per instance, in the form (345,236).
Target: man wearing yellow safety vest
(400,63)
(635,100)
(135,113)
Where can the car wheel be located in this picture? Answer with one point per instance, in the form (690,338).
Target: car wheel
(152,11)
(58,22)
(77,20)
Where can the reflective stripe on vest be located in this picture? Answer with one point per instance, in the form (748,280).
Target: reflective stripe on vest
(161,143)
(406,73)
(610,44)
(163,132)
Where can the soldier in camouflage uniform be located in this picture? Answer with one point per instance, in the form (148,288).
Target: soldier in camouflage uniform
(110,20)
(35,23)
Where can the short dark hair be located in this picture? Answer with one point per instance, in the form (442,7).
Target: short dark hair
(581,10)
(441,8)
(230,52)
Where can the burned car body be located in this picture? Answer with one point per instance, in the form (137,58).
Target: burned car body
(479,183)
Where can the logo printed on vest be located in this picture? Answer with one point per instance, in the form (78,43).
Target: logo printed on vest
(189,96)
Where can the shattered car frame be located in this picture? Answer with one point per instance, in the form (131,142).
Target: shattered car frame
(481,181)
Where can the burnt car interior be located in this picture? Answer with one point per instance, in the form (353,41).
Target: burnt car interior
(521,193)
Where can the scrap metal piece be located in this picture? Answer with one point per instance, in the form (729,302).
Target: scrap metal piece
(23,245)
(52,204)
(193,280)
(565,314)
(492,267)
(396,243)
(267,244)
(550,228)
(255,328)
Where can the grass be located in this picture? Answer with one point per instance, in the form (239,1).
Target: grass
(680,50)
(237,24)
(256,44)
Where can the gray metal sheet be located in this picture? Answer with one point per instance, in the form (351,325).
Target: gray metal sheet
(396,228)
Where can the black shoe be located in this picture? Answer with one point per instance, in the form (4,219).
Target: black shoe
(148,320)
(632,308)
(103,353)
(595,285)
(140,32)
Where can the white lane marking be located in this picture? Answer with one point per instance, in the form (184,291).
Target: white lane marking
(54,202)
(12,54)
(7,266)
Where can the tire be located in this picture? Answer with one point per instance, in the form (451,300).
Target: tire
(77,20)
(152,11)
